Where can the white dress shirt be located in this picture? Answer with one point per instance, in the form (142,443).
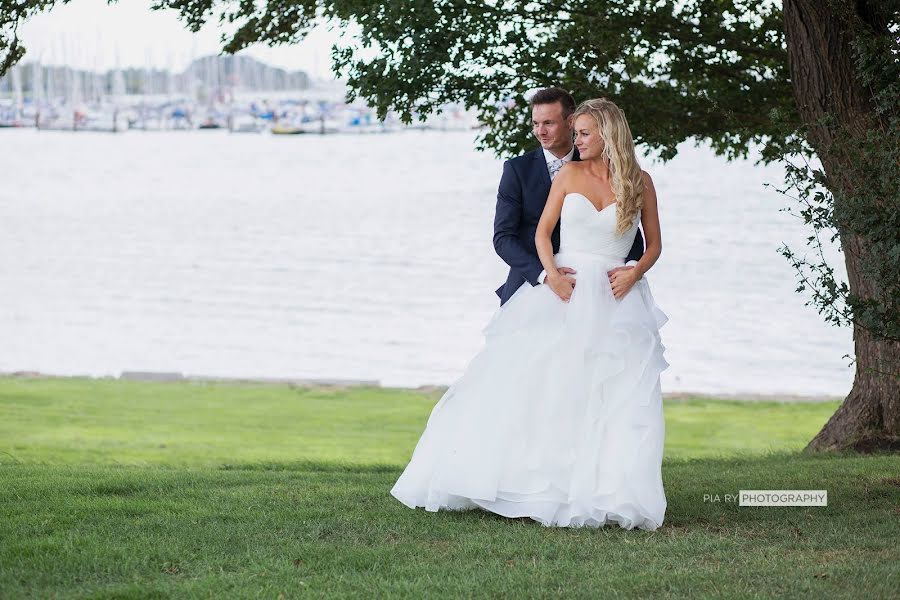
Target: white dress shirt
(549,157)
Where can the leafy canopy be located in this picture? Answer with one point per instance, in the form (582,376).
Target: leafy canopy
(711,70)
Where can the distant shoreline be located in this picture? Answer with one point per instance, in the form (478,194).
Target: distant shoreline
(176,377)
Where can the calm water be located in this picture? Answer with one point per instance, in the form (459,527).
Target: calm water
(365,257)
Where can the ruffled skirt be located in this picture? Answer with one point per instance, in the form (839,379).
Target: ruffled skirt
(559,416)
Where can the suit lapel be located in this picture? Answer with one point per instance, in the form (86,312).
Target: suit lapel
(544,172)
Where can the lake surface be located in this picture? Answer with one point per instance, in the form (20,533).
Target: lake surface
(358,257)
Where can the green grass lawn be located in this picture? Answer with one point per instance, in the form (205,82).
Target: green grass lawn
(112,489)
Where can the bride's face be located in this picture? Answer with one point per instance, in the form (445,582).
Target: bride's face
(587,137)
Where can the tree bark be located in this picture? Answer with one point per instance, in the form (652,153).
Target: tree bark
(824,82)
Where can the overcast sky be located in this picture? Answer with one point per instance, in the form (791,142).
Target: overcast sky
(91,34)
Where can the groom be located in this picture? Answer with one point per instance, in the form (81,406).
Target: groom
(524,188)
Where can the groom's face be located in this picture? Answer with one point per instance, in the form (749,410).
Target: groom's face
(551,128)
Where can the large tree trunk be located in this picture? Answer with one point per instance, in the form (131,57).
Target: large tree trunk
(824,82)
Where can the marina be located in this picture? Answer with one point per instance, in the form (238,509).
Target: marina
(237,94)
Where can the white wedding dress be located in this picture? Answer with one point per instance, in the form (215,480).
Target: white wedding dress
(559,417)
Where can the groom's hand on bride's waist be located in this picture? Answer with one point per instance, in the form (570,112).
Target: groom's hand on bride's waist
(561,283)
(616,270)
(621,280)
(562,271)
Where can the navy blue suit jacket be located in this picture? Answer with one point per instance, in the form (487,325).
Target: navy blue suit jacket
(521,197)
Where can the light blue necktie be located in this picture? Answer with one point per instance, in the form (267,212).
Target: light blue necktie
(555,166)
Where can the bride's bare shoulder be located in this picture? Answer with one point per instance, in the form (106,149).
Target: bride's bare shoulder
(571,168)
(649,193)
(567,171)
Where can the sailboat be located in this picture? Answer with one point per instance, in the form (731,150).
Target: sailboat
(11,115)
(213,117)
(31,112)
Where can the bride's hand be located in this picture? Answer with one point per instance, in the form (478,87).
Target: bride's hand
(561,284)
(621,280)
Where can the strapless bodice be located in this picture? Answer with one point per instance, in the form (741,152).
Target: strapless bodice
(584,229)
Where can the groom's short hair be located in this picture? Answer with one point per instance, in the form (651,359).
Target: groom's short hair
(552,95)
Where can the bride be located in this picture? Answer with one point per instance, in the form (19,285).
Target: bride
(559,416)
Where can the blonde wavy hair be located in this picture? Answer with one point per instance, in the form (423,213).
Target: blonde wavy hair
(624,170)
